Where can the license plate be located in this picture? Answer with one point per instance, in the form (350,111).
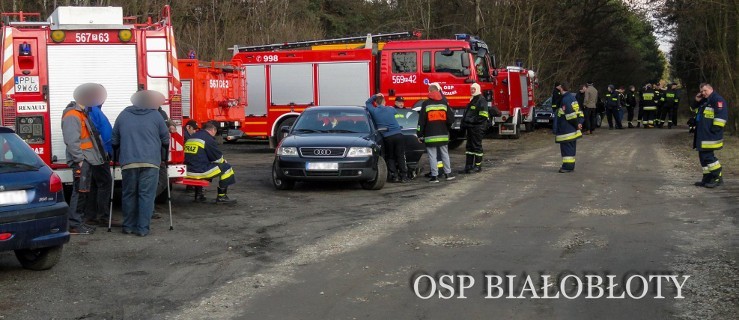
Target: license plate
(542,120)
(26,84)
(9,198)
(322,166)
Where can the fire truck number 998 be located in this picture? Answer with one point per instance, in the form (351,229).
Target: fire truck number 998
(85,37)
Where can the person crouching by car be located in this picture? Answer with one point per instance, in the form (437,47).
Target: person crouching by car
(385,117)
(141,139)
(205,161)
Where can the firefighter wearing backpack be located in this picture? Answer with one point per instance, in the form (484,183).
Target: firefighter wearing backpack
(713,111)
(648,106)
(205,161)
(569,123)
(475,121)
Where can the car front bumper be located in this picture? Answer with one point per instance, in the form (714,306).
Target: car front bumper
(350,169)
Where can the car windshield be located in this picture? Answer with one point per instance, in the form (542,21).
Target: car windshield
(16,155)
(545,106)
(328,121)
(407,118)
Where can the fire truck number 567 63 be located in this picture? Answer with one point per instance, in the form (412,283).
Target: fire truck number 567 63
(91,37)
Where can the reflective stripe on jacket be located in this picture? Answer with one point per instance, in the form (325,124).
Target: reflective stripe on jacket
(568,118)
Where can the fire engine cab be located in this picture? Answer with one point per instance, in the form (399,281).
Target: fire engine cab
(286,78)
(214,91)
(44,61)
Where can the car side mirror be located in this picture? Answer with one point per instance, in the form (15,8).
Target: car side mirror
(285,129)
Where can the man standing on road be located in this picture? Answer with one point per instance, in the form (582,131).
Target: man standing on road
(556,99)
(434,122)
(670,101)
(102,182)
(591,99)
(385,117)
(475,121)
(630,102)
(613,108)
(569,117)
(648,106)
(142,141)
(84,150)
(205,161)
(713,111)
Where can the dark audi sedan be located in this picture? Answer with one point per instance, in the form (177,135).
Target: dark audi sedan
(329,143)
(33,214)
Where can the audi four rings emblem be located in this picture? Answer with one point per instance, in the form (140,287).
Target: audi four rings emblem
(322,152)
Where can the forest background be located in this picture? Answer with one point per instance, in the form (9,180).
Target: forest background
(604,41)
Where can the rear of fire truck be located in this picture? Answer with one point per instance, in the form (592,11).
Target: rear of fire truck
(214,91)
(44,61)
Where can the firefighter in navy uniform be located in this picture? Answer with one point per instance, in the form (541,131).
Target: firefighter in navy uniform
(713,111)
(569,123)
(613,108)
(670,101)
(659,92)
(475,121)
(648,106)
(630,102)
(205,161)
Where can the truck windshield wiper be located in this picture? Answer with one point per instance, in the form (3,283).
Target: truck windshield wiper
(19,164)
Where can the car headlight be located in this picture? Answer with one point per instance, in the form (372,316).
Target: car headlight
(359,152)
(287,151)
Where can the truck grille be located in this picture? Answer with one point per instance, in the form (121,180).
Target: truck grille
(322,152)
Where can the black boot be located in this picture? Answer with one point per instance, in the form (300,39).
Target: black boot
(630,125)
(715,183)
(478,164)
(468,163)
(223,197)
(199,194)
(467,170)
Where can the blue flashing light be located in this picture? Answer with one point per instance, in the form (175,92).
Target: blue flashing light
(24,49)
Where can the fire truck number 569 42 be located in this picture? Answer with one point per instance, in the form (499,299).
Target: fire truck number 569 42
(85,37)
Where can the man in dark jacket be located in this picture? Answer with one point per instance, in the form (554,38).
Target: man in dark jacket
(613,108)
(205,161)
(434,122)
(385,117)
(648,106)
(556,99)
(142,140)
(713,112)
(570,120)
(670,101)
(630,103)
(475,122)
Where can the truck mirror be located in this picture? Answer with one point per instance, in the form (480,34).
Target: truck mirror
(466,61)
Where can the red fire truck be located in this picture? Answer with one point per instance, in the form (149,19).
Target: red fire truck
(514,97)
(44,61)
(214,91)
(286,78)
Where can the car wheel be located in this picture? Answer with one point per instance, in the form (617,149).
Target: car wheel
(39,259)
(380,177)
(279,183)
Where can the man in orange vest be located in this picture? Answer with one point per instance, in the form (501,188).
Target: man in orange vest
(84,149)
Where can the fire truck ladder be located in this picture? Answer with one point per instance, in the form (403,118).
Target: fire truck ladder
(369,38)
(166,24)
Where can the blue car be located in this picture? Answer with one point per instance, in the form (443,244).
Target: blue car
(33,213)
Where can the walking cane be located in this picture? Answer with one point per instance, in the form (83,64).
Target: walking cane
(169,202)
(112,192)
